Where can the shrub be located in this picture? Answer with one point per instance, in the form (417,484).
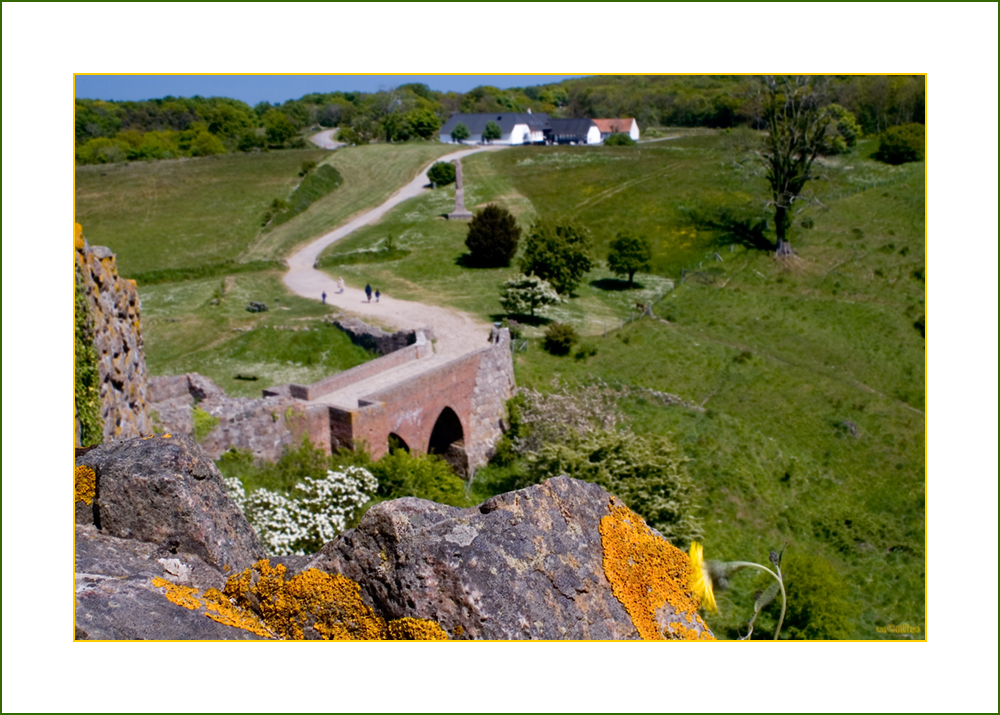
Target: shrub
(645,471)
(619,139)
(560,338)
(525,294)
(312,513)
(901,144)
(442,173)
(203,423)
(493,237)
(460,133)
(818,605)
(86,379)
(425,476)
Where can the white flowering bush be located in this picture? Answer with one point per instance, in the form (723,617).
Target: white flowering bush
(311,514)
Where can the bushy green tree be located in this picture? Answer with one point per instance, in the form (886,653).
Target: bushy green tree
(628,254)
(206,144)
(526,294)
(278,127)
(493,237)
(491,131)
(559,252)
(425,476)
(460,133)
(844,130)
(898,145)
(442,173)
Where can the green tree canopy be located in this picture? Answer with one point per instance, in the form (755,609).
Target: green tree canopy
(460,133)
(493,237)
(628,254)
(559,252)
(491,131)
(442,173)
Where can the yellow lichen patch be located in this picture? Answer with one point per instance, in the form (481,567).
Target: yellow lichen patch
(680,632)
(181,595)
(645,571)
(167,435)
(414,629)
(77,236)
(330,604)
(84,484)
(219,608)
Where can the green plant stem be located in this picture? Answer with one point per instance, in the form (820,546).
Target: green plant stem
(784,600)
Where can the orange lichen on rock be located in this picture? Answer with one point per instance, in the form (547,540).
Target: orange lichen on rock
(181,595)
(219,608)
(645,571)
(680,632)
(77,236)
(329,604)
(84,484)
(415,629)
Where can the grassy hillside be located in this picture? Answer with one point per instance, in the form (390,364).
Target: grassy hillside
(203,326)
(182,212)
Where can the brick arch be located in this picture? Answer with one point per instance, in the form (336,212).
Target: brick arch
(395,441)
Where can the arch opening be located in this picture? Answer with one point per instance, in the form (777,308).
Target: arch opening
(396,442)
(448,441)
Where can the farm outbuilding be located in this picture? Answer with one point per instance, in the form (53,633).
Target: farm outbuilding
(574,131)
(618,126)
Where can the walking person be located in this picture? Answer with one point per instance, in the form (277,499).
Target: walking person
(340,284)
(368,291)
(377,295)
(324,297)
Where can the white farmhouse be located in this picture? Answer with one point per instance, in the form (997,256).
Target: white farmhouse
(515,128)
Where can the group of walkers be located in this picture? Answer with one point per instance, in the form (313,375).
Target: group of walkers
(368,291)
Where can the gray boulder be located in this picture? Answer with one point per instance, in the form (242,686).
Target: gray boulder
(167,492)
(117,598)
(527,564)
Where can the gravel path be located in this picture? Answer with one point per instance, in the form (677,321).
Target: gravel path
(325,140)
(457,333)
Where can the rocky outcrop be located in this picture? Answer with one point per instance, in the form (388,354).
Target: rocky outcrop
(528,564)
(117,596)
(377,340)
(166,491)
(262,426)
(114,304)
(162,553)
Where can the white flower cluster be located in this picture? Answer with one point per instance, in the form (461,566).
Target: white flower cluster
(313,513)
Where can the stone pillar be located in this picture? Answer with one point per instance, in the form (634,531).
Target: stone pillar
(460,211)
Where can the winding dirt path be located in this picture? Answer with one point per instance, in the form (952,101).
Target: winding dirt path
(457,333)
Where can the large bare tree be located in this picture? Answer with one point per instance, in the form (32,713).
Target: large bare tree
(792,109)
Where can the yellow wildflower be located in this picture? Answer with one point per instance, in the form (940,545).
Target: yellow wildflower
(701,579)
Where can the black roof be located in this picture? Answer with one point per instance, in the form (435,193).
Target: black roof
(571,127)
(477,122)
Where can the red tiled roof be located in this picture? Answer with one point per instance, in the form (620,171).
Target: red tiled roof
(611,126)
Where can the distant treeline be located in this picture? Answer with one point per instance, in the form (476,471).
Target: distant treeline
(199,126)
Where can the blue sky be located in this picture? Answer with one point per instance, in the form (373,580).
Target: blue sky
(278,88)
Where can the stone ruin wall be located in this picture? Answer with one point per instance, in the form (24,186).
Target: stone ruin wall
(121,363)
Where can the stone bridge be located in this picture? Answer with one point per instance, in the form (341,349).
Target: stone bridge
(415,399)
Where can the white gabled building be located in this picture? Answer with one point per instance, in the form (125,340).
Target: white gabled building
(618,126)
(515,127)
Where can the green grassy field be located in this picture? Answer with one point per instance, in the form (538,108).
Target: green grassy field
(185,332)
(183,212)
